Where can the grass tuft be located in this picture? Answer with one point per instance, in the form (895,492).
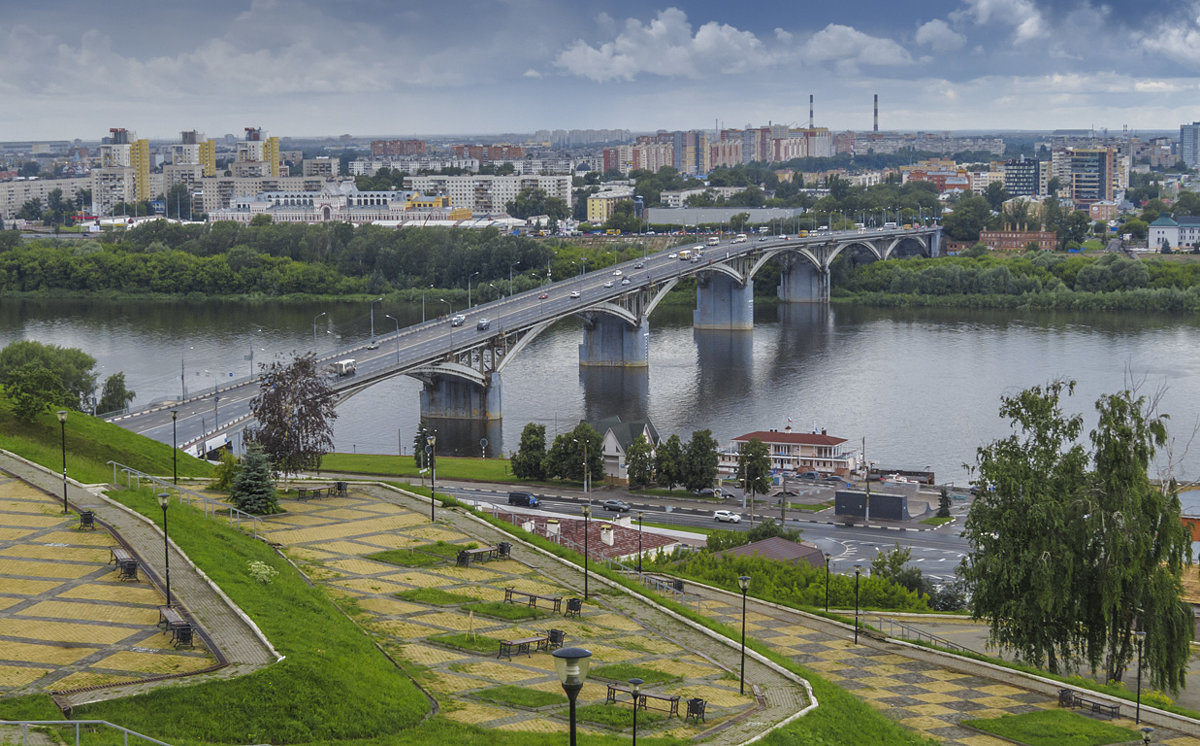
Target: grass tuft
(626,671)
(1054,728)
(517,696)
(501,610)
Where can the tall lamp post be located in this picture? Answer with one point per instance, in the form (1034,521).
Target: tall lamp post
(510,285)
(640,516)
(174,448)
(62,423)
(857,572)
(164,500)
(393,318)
(1141,638)
(572,667)
(422,303)
(635,686)
(373,317)
(469,289)
(587,513)
(315,327)
(431,449)
(744,584)
(827,582)
(585,464)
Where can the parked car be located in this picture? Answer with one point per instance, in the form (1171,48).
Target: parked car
(618,505)
(814,476)
(457,320)
(528,499)
(707,492)
(833,479)
(482,324)
(726,516)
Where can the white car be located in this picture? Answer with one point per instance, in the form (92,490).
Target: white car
(726,516)
(608,284)
(616,273)
(624,280)
(672,256)
(574,293)
(457,320)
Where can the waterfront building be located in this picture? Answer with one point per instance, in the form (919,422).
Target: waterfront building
(796,452)
(618,436)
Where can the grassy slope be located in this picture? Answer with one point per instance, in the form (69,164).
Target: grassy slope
(1055,728)
(448,467)
(90,443)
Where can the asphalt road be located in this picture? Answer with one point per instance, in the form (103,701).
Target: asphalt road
(205,419)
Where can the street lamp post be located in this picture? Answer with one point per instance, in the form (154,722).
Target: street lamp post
(62,422)
(744,584)
(164,500)
(587,514)
(640,516)
(431,449)
(469,289)
(1141,639)
(510,281)
(448,303)
(572,667)
(857,572)
(174,448)
(635,686)
(827,582)
(397,322)
(373,317)
(585,464)
(315,327)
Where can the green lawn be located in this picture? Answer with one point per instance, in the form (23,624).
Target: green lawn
(937,521)
(627,671)
(434,597)
(476,643)
(616,716)
(448,467)
(501,610)
(1054,728)
(518,696)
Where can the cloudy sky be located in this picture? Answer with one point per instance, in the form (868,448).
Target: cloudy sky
(71,69)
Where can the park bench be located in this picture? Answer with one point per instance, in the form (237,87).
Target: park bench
(521,645)
(87,520)
(304,493)
(481,554)
(173,622)
(125,562)
(1069,698)
(668,703)
(510,595)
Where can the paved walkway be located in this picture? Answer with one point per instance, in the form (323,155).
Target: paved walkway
(108,612)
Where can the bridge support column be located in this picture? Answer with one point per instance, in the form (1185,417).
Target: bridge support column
(801,282)
(723,303)
(612,342)
(935,243)
(452,398)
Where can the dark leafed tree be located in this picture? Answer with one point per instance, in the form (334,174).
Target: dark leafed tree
(569,452)
(700,461)
(754,472)
(294,411)
(420,440)
(529,460)
(1071,550)
(668,462)
(32,389)
(639,462)
(72,366)
(114,396)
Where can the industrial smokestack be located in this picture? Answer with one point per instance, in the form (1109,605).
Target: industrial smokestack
(876,112)
(810,111)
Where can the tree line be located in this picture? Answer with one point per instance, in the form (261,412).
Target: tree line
(40,377)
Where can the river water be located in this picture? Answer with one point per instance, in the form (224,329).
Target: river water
(922,387)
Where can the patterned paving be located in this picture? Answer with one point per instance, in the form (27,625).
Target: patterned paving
(65,620)
(922,696)
(331,538)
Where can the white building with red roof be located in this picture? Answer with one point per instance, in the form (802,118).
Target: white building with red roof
(796,452)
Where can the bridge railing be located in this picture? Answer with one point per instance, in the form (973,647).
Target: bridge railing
(212,508)
(95,727)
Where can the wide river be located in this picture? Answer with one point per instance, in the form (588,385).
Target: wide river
(922,387)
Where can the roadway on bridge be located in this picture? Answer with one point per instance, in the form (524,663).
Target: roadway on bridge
(204,421)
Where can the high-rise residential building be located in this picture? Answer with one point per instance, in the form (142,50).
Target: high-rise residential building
(690,152)
(257,156)
(1189,144)
(1022,177)
(1091,175)
(124,172)
(485,194)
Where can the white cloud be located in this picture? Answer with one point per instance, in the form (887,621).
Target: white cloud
(1175,42)
(531,73)
(938,36)
(1022,15)
(666,46)
(848,47)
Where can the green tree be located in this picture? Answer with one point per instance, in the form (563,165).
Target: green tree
(31,210)
(224,472)
(996,195)
(754,472)
(569,452)
(668,462)
(700,461)
(894,566)
(970,215)
(420,440)
(531,201)
(1138,229)
(944,504)
(528,462)
(294,413)
(114,396)
(32,389)
(639,462)
(1064,558)
(71,366)
(253,489)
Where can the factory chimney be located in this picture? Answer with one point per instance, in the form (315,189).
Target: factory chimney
(876,112)
(810,111)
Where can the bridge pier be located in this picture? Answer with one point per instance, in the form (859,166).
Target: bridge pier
(801,282)
(723,303)
(611,342)
(453,398)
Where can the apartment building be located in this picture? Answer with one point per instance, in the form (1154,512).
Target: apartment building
(485,194)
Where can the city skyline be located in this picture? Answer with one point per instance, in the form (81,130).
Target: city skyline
(465,66)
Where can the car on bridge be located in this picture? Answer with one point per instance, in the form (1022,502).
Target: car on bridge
(624,280)
(608,284)
(483,324)
(726,516)
(574,293)
(616,273)
(543,296)
(457,320)
(672,255)
(639,265)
